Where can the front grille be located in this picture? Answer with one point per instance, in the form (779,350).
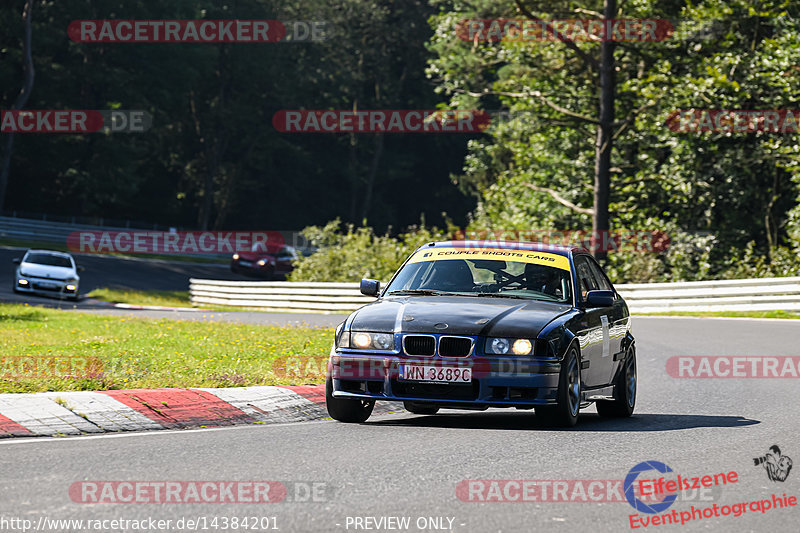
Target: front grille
(434,391)
(44,278)
(455,346)
(419,345)
(43,288)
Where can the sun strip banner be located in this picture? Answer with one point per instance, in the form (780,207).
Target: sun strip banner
(520,256)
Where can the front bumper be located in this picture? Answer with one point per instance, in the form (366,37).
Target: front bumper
(497,381)
(252,268)
(46,287)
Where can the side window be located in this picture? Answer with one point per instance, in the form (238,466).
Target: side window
(602,282)
(586,280)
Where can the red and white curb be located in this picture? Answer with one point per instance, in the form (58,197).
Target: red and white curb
(85,412)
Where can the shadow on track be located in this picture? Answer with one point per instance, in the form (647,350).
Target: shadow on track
(587,422)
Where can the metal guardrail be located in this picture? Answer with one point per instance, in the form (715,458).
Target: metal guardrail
(762,294)
(45,232)
(765,294)
(279,295)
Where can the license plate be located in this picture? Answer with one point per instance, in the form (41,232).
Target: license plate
(246,263)
(46,285)
(446,374)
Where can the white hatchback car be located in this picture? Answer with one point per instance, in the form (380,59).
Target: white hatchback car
(49,273)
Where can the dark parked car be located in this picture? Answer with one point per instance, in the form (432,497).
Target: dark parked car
(469,326)
(269,264)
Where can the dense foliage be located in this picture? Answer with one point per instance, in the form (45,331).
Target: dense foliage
(729,201)
(213,158)
(349,254)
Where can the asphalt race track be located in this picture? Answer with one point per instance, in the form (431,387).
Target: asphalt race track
(115,272)
(410,466)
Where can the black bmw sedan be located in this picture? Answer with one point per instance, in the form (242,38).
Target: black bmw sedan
(473,325)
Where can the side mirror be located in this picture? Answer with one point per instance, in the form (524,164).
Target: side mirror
(599,298)
(81,268)
(16,260)
(370,287)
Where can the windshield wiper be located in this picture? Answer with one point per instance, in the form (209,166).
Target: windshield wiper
(421,292)
(500,295)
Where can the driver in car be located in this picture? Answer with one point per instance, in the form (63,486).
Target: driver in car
(543,279)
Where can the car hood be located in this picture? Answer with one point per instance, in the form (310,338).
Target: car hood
(463,315)
(47,271)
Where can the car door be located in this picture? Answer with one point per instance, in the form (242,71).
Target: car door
(618,319)
(595,336)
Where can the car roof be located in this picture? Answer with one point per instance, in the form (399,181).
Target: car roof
(514,245)
(50,252)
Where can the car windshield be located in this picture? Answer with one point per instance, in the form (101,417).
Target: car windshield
(496,273)
(48,259)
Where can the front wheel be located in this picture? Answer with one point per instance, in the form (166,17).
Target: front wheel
(347,409)
(565,412)
(624,391)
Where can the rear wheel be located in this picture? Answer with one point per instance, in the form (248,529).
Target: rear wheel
(624,391)
(565,413)
(346,409)
(420,408)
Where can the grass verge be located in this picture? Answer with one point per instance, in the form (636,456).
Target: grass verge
(139,297)
(51,350)
(735,314)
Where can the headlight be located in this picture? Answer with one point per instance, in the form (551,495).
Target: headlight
(261,262)
(70,287)
(23,282)
(497,345)
(521,347)
(364,341)
(235,257)
(502,346)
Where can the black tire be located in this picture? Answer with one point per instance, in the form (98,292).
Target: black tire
(420,408)
(565,413)
(625,386)
(345,409)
